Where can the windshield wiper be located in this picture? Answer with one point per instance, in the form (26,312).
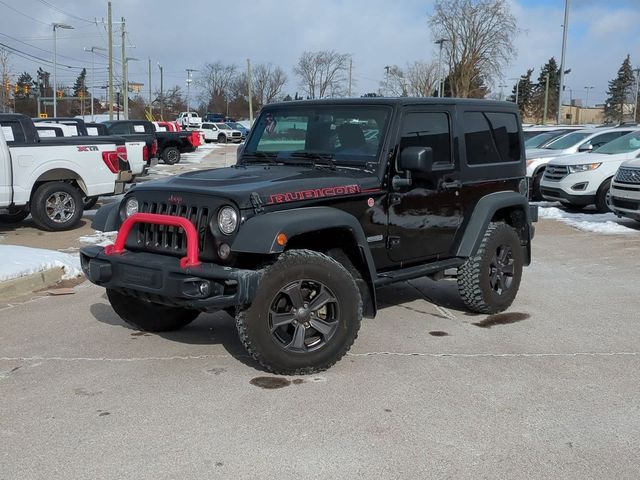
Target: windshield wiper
(260,156)
(316,157)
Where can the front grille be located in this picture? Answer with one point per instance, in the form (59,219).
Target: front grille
(628,175)
(236,134)
(555,173)
(626,204)
(172,239)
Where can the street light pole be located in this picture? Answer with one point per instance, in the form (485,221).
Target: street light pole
(125,84)
(93,74)
(161,94)
(189,80)
(55,63)
(635,105)
(440,80)
(586,103)
(565,27)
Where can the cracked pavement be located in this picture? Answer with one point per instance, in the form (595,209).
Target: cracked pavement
(549,390)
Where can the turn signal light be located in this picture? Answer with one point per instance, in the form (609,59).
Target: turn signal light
(281,239)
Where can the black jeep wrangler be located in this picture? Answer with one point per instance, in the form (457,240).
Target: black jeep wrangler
(328,201)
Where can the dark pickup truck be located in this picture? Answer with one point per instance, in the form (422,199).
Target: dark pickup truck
(170,144)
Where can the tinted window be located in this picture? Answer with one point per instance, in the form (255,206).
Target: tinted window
(13,132)
(491,138)
(605,138)
(428,130)
(119,129)
(568,141)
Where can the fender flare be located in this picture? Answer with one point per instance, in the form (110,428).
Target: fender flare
(258,234)
(482,214)
(107,218)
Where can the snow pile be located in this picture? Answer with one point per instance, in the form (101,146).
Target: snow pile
(21,261)
(606,223)
(99,238)
(197,156)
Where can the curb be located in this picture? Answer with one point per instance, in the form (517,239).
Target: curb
(21,286)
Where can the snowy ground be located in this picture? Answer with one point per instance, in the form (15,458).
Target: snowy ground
(20,261)
(589,220)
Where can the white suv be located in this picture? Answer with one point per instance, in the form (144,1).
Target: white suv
(585,178)
(625,190)
(584,140)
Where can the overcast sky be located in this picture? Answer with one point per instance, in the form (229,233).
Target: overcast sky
(183,35)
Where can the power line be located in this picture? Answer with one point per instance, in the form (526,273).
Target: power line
(24,14)
(16,51)
(63,12)
(41,49)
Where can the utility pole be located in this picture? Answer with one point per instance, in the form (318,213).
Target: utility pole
(37,91)
(110,35)
(150,100)
(440,80)
(350,70)
(635,105)
(249,89)
(125,81)
(546,98)
(565,28)
(161,94)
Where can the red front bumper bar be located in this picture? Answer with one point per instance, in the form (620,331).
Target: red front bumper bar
(191,260)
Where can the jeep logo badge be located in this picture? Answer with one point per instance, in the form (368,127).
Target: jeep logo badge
(175,199)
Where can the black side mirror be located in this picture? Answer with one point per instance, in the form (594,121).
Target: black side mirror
(416,159)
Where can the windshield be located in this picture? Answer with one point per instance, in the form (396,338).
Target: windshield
(346,134)
(538,140)
(624,144)
(235,125)
(568,141)
(223,126)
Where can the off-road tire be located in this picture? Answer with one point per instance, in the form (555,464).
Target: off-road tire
(253,322)
(15,217)
(89,202)
(171,155)
(39,206)
(474,275)
(601,197)
(148,316)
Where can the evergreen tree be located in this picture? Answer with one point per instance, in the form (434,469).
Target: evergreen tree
(524,87)
(621,91)
(538,96)
(24,82)
(80,91)
(42,81)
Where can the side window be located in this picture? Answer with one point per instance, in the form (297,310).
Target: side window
(422,129)
(119,129)
(600,140)
(491,138)
(13,133)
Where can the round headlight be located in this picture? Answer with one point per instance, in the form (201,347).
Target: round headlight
(227,220)
(130,207)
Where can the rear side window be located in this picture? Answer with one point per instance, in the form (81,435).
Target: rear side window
(13,132)
(491,138)
(119,129)
(428,129)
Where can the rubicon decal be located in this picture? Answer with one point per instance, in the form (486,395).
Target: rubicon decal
(313,193)
(87,148)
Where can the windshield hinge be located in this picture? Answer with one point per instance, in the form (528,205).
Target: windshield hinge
(256,201)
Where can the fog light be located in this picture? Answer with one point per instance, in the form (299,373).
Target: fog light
(224,251)
(204,288)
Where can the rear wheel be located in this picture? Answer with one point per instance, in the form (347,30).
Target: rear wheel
(603,197)
(305,316)
(489,281)
(171,155)
(15,216)
(56,206)
(148,316)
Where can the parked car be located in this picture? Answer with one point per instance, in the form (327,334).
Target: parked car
(51,177)
(241,128)
(579,141)
(585,178)
(189,120)
(51,130)
(214,118)
(540,140)
(535,130)
(221,133)
(296,242)
(76,126)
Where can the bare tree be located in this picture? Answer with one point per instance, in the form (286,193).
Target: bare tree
(267,83)
(479,37)
(323,74)
(422,78)
(215,82)
(395,82)
(5,72)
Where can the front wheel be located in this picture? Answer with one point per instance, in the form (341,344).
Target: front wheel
(56,206)
(148,316)
(305,316)
(488,282)
(603,197)
(222,138)
(536,193)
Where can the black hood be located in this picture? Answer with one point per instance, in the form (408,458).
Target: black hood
(275,184)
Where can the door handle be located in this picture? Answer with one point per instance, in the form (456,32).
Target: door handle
(450,184)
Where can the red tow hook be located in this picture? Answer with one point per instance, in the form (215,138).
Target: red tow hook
(191,260)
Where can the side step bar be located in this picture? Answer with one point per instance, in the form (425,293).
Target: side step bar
(418,271)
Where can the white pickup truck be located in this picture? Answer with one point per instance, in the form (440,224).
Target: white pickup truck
(49,177)
(190,120)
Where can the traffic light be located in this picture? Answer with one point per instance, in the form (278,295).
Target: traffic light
(7,86)
(25,89)
(16,89)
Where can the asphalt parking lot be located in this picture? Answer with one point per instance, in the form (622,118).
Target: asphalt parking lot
(547,390)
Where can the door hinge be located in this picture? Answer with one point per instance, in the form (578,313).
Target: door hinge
(393,242)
